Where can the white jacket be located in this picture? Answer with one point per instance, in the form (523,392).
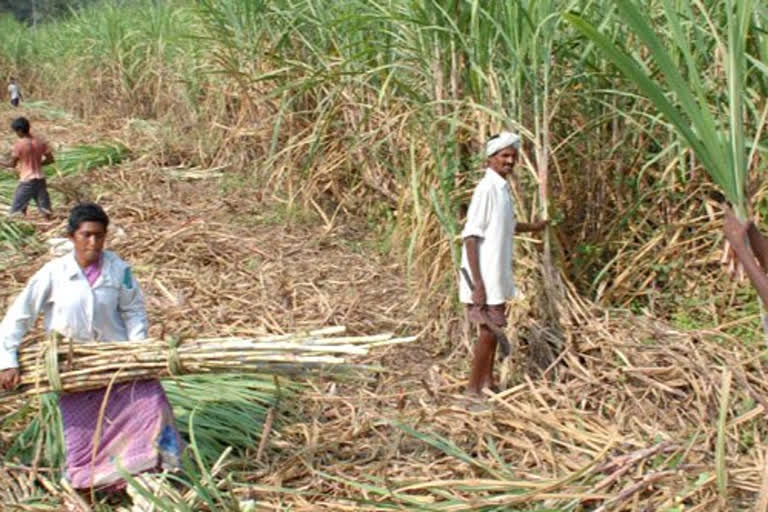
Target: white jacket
(113,310)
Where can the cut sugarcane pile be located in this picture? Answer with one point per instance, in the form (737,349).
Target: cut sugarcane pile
(62,365)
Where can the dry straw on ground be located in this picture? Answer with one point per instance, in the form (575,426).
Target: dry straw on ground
(629,419)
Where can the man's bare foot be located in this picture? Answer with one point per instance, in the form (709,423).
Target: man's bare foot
(475,402)
(473,395)
(478,406)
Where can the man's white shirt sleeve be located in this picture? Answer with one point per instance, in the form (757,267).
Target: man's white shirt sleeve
(479,212)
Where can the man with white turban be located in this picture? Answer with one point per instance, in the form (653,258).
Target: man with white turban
(487,254)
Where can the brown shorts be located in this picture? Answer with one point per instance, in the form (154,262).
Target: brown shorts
(496,313)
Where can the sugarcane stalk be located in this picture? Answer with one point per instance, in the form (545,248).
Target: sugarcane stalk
(70,367)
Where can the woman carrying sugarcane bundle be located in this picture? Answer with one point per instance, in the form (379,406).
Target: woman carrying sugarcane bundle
(90,294)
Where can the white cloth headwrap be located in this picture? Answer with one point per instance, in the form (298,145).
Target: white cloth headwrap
(504,140)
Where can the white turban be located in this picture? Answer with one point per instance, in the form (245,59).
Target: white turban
(503,140)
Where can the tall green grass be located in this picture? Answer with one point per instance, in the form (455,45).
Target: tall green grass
(447,74)
(129,55)
(677,84)
(384,105)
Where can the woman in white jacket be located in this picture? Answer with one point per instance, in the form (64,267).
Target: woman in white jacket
(91,295)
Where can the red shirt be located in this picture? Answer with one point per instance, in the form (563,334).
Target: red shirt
(29,152)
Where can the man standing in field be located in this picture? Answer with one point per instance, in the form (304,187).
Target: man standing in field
(28,156)
(15,91)
(487,255)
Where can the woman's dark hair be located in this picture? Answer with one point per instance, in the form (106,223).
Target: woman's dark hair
(20,124)
(86,212)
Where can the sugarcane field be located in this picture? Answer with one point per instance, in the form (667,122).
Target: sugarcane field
(368,255)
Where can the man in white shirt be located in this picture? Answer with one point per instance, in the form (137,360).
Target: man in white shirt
(15,91)
(487,254)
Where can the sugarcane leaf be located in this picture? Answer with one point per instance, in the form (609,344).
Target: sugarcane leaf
(724,160)
(635,73)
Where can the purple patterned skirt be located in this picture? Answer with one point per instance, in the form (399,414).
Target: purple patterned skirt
(137,434)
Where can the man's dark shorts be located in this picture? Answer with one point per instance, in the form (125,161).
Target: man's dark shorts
(496,313)
(15,102)
(28,190)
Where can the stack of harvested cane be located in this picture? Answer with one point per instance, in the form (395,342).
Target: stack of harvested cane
(63,365)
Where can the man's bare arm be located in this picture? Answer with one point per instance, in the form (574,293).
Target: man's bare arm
(48,158)
(478,295)
(531,227)
(9,161)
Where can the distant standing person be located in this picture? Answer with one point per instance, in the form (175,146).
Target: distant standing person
(28,156)
(15,91)
(487,254)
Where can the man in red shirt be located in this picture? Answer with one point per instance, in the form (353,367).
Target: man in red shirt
(28,156)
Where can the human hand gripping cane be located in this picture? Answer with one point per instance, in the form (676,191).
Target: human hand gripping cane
(9,379)
(501,338)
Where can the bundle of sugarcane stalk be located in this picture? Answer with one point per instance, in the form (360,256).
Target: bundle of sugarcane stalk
(63,365)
